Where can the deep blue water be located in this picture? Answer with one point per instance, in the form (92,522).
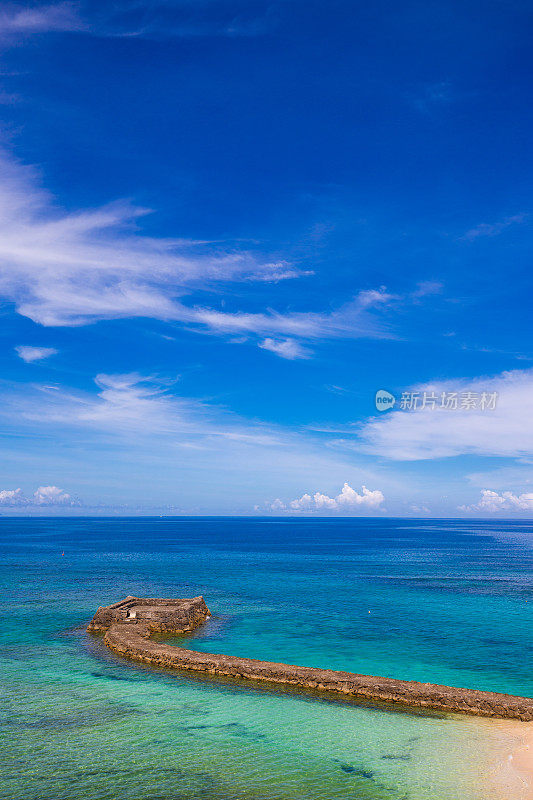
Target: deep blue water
(441,601)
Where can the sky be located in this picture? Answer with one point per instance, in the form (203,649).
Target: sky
(225,226)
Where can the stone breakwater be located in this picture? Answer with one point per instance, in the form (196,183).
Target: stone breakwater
(130,637)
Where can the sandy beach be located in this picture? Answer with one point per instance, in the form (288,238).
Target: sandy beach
(512,776)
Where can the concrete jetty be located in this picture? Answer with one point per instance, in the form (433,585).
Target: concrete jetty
(130,623)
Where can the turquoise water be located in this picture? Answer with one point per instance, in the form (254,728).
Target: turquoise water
(442,601)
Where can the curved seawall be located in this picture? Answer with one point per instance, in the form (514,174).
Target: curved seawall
(133,641)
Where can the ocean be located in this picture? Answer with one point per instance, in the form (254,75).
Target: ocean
(444,601)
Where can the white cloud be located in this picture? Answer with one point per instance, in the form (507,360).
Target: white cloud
(442,433)
(305,502)
(43,496)
(286,348)
(348,499)
(131,426)
(505,501)
(277,505)
(76,268)
(51,496)
(29,354)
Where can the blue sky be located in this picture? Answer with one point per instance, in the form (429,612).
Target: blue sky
(224,226)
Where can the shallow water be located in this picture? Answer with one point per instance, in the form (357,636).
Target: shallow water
(449,602)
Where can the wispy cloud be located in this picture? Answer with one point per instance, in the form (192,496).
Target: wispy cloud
(163,19)
(29,354)
(427,433)
(494,228)
(426,289)
(16,21)
(355,319)
(131,403)
(518,473)
(77,268)
(431,96)
(419,509)
(334,389)
(141,19)
(494,502)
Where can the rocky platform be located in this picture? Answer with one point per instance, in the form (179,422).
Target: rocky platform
(130,624)
(161,615)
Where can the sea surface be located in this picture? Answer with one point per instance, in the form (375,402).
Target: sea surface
(444,601)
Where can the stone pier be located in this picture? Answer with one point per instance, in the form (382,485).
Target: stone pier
(130,623)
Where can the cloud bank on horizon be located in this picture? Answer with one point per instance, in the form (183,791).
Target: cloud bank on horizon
(214,342)
(346,501)
(43,496)
(505,501)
